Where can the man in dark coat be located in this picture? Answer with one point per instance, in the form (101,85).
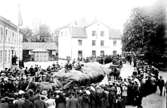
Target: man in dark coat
(27,103)
(31,70)
(161,84)
(3,103)
(20,101)
(166,87)
(68,66)
(73,103)
(39,103)
(10,102)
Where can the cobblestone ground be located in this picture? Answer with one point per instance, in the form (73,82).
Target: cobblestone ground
(154,100)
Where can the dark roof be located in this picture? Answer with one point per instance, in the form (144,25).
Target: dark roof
(9,23)
(39,45)
(115,34)
(78,32)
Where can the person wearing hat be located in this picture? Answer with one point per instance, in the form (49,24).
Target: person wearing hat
(27,103)
(3,103)
(10,102)
(60,100)
(161,84)
(73,101)
(112,97)
(50,102)
(38,103)
(86,99)
(19,102)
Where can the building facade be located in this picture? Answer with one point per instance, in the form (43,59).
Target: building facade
(95,39)
(39,51)
(10,43)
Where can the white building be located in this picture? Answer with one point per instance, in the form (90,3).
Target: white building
(39,51)
(95,39)
(10,43)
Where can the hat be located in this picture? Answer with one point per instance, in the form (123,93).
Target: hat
(58,91)
(106,92)
(3,99)
(92,88)
(2,73)
(21,92)
(87,92)
(5,79)
(80,91)
(44,92)
(11,99)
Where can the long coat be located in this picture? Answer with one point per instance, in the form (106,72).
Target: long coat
(86,101)
(60,102)
(19,103)
(4,105)
(39,104)
(27,104)
(73,103)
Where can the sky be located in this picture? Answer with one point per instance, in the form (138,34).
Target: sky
(57,13)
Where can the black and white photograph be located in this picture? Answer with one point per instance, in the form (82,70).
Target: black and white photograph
(83,54)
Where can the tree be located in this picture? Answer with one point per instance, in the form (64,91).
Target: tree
(44,33)
(144,33)
(27,34)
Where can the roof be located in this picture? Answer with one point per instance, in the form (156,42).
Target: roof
(97,22)
(6,21)
(78,32)
(115,34)
(9,23)
(39,45)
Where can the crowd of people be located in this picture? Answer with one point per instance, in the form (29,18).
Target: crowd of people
(15,90)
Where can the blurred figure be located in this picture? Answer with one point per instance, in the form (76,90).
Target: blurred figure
(166,88)
(161,84)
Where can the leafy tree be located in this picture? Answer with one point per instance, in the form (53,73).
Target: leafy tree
(44,33)
(27,34)
(144,33)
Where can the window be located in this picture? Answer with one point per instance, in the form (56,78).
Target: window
(61,33)
(1,31)
(80,42)
(102,53)
(12,34)
(102,42)
(1,34)
(9,56)
(1,56)
(114,43)
(114,52)
(6,32)
(79,53)
(102,33)
(93,53)
(93,43)
(5,56)
(93,33)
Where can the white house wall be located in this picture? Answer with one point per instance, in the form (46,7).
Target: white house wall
(64,42)
(13,41)
(68,46)
(98,28)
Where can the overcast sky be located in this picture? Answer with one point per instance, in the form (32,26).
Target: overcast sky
(57,13)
